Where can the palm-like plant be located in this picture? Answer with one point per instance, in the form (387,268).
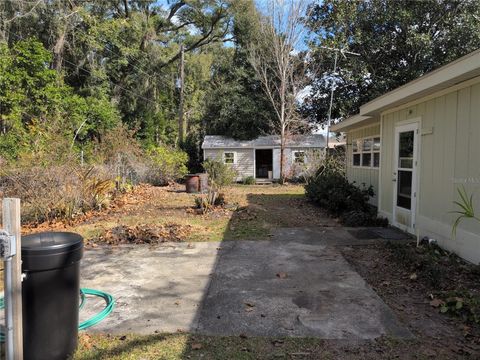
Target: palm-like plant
(466,210)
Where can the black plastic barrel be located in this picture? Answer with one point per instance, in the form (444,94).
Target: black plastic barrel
(50,291)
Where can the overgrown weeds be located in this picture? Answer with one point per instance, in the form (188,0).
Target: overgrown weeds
(60,191)
(57,183)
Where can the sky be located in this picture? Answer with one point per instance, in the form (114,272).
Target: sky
(262,6)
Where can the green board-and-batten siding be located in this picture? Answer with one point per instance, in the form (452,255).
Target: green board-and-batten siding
(362,175)
(449,158)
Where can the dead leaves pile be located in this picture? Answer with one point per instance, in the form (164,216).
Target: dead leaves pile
(145,234)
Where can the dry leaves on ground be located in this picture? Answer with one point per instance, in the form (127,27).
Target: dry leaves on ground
(145,234)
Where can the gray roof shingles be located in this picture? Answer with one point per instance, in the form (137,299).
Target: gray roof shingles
(223,142)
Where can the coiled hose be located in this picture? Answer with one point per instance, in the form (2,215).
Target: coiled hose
(109,306)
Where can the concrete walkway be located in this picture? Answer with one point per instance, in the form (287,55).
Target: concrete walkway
(295,285)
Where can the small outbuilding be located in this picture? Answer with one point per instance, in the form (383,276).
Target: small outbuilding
(417,146)
(260,158)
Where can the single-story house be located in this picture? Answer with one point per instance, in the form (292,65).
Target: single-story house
(260,158)
(417,145)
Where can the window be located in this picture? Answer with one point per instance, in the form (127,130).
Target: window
(299,157)
(229,157)
(356,159)
(366,152)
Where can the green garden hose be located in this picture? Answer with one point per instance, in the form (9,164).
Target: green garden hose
(109,301)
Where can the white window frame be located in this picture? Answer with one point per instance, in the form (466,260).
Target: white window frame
(372,151)
(234,157)
(294,152)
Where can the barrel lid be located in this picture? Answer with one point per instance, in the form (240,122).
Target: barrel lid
(51,243)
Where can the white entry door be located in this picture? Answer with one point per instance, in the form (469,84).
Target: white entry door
(405,177)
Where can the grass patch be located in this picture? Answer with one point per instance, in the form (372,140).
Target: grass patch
(185,346)
(251,213)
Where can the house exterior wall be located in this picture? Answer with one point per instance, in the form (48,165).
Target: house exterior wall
(244,160)
(362,175)
(276,163)
(449,157)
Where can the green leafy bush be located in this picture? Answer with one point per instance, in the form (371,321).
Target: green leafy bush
(249,180)
(333,192)
(330,189)
(219,174)
(166,165)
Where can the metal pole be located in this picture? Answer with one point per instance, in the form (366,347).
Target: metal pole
(13,279)
(331,100)
(343,52)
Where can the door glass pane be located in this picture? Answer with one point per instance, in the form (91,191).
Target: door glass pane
(405,150)
(376,159)
(376,144)
(404,189)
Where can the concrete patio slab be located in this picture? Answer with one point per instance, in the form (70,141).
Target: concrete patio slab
(256,288)
(270,288)
(156,289)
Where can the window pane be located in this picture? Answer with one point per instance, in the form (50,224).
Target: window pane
(367,144)
(376,144)
(356,159)
(404,189)
(366,159)
(405,149)
(354,146)
(376,159)
(229,158)
(299,157)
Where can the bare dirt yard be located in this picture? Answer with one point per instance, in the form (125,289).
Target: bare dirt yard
(433,292)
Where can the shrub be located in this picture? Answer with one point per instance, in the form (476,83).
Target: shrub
(166,165)
(330,189)
(333,192)
(249,180)
(219,174)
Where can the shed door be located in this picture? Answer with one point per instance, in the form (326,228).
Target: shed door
(404,177)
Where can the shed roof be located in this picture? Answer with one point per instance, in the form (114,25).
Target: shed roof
(299,141)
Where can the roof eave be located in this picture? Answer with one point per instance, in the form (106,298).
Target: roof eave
(354,122)
(462,69)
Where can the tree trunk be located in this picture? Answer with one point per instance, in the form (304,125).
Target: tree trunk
(282,156)
(58,50)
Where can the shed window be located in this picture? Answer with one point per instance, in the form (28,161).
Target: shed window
(229,157)
(299,157)
(366,152)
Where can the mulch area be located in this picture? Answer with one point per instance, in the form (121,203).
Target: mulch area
(431,291)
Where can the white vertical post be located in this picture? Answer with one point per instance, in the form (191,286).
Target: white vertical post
(13,281)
